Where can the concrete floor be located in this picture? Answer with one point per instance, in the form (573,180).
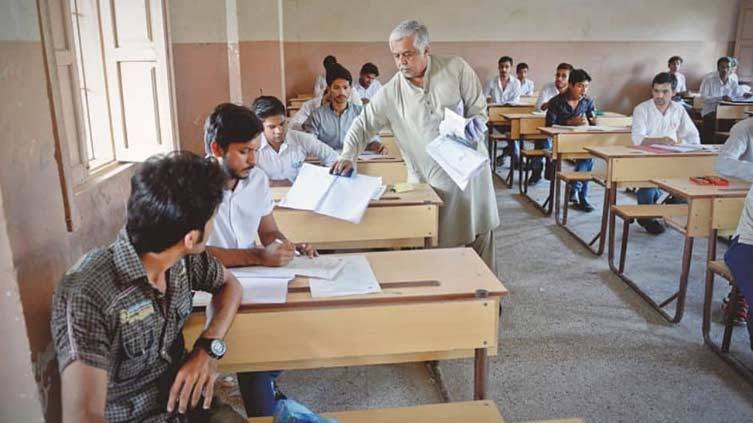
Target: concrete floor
(574,340)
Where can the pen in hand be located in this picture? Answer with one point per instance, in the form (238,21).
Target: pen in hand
(297,253)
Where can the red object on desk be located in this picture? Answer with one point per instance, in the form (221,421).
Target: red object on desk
(710,180)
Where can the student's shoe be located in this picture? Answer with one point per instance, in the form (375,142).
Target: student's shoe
(584,206)
(651,226)
(740,318)
(674,200)
(533,180)
(573,197)
(278,393)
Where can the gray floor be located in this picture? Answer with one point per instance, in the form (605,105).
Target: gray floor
(574,340)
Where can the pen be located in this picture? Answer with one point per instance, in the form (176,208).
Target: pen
(297,253)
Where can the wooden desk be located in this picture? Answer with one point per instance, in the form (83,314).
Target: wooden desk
(697,224)
(497,111)
(435,304)
(632,167)
(528,100)
(391,168)
(572,144)
(293,110)
(409,219)
(497,121)
(390,142)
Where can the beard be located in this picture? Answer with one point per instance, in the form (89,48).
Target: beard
(235,174)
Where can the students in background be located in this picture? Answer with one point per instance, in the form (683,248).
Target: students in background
(552,89)
(299,118)
(526,85)
(661,121)
(368,84)
(232,135)
(675,63)
(118,314)
(283,151)
(575,108)
(504,88)
(330,123)
(320,83)
(715,88)
(736,161)
(739,259)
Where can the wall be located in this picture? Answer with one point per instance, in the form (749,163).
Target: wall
(622,44)
(35,246)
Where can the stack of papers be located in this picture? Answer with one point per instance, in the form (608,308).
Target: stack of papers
(318,267)
(458,161)
(468,130)
(686,148)
(340,197)
(356,278)
(594,128)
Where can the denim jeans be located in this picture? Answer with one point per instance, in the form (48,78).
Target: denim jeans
(580,187)
(648,195)
(537,163)
(739,259)
(257,390)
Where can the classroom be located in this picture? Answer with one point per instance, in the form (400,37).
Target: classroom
(263,211)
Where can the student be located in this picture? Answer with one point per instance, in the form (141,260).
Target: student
(282,151)
(552,89)
(526,85)
(715,88)
(661,121)
(331,122)
(120,359)
(575,108)
(674,63)
(320,83)
(299,118)
(736,155)
(504,88)
(368,84)
(739,259)
(232,136)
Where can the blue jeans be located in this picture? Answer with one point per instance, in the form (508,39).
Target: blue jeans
(739,259)
(258,392)
(579,187)
(648,195)
(537,163)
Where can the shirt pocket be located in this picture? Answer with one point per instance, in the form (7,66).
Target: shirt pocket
(137,350)
(183,309)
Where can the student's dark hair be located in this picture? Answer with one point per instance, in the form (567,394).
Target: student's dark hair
(566,66)
(267,106)
(230,123)
(172,195)
(329,61)
(665,78)
(578,75)
(722,60)
(521,65)
(337,71)
(369,68)
(505,59)
(674,59)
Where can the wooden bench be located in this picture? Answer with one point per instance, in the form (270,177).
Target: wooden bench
(568,178)
(629,213)
(524,171)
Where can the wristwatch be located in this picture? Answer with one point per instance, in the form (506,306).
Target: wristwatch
(216,348)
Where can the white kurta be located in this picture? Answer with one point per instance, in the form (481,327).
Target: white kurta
(509,95)
(548,92)
(736,156)
(286,163)
(649,122)
(526,87)
(713,90)
(414,115)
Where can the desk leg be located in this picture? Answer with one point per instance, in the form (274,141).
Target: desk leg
(687,256)
(610,198)
(480,374)
(556,185)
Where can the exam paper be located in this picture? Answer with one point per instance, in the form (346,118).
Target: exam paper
(685,148)
(458,161)
(456,125)
(324,267)
(356,278)
(255,291)
(340,197)
(589,128)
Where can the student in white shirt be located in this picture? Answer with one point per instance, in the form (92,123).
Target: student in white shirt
(675,63)
(526,85)
(715,88)
(504,88)
(661,121)
(283,151)
(736,155)
(367,84)
(232,135)
(739,259)
(299,118)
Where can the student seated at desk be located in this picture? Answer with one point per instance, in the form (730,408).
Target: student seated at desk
(368,84)
(661,121)
(232,136)
(504,88)
(331,122)
(675,63)
(739,259)
(118,314)
(320,84)
(736,155)
(299,118)
(526,85)
(715,88)
(283,151)
(575,108)
(548,92)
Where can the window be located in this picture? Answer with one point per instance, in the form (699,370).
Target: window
(111,92)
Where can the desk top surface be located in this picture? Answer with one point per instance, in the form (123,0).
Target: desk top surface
(685,188)
(607,152)
(577,130)
(421,194)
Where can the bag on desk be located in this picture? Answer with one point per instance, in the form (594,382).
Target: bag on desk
(289,411)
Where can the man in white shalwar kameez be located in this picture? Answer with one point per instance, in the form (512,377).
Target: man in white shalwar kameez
(412,103)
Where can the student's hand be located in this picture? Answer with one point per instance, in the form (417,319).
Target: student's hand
(378,147)
(278,254)
(577,121)
(727,98)
(365,101)
(195,378)
(280,183)
(544,106)
(341,167)
(307,249)
(747,95)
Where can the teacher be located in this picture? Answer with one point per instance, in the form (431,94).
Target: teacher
(412,104)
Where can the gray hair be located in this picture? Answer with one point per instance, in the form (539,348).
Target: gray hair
(412,27)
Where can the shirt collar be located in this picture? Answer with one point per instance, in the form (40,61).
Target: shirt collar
(127,262)
(265,144)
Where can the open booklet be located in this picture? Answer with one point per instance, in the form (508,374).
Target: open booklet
(340,197)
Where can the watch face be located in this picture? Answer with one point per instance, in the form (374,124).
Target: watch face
(218,347)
